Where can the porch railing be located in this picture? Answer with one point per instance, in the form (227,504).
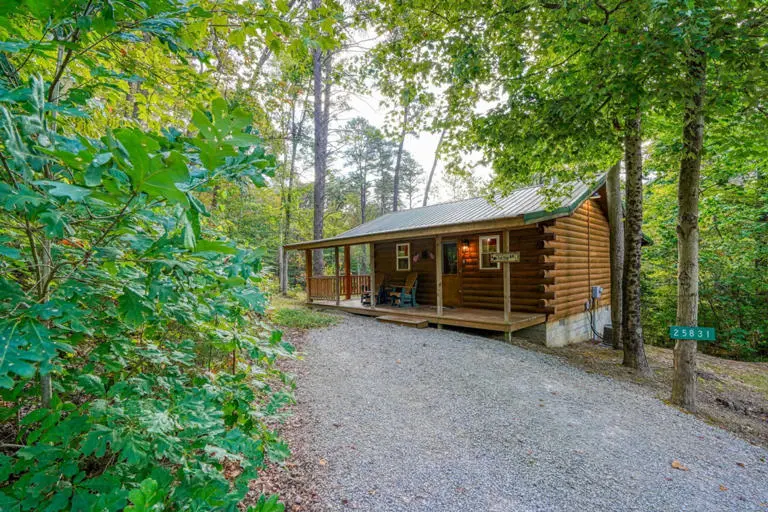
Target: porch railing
(329,287)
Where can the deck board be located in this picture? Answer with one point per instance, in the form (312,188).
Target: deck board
(488,319)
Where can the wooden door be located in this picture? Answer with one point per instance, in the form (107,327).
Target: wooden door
(451,277)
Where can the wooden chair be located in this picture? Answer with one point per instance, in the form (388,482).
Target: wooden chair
(365,296)
(405,295)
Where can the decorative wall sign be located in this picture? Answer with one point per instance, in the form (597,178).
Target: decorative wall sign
(505,257)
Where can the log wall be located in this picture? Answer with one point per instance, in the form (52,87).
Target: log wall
(385,263)
(581,258)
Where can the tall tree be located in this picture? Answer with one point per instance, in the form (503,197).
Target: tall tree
(631,325)
(616,220)
(360,140)
(733,34)
(322,62)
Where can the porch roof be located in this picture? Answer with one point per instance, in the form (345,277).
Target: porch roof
(522,206)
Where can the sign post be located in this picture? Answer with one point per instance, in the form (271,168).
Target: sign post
(505,257)
(677,332)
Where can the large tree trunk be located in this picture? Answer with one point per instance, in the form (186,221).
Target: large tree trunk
(321,145)
(616,219)
(398,161)
(632,328)
(434,166)
(684,379)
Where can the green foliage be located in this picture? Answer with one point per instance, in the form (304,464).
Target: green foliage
(733,288)
(302,318)
(117,295)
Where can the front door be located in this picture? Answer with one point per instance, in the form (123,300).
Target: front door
(451,279)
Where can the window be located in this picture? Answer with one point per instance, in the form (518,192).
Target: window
(488,245)
(450,258)
(403,256)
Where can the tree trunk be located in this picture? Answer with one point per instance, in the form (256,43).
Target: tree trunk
(297,130)
(684,379)
(434,166)
(616,219)
(320,147)
(632,328)
(396,177)
(363,197)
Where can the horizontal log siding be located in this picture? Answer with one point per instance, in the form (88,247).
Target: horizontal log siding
(581,261)
(385,263)
(479,288)
(529,277)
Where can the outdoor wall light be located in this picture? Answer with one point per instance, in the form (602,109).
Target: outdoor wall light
(465,245)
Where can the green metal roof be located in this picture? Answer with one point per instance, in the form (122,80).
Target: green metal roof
(529,203)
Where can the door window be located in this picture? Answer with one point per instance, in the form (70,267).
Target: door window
(450,258)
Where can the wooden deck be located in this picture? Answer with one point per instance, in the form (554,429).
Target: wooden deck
(488,319)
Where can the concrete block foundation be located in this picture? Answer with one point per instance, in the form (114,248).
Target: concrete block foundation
(571,329)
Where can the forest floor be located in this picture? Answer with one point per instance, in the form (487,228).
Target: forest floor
(374,425)
(731,394)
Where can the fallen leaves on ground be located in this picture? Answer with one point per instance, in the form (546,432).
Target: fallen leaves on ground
(679,465)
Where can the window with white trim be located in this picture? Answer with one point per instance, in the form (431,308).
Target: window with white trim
(403,256)
(489,245)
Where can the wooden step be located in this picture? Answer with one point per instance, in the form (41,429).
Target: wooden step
(410,321)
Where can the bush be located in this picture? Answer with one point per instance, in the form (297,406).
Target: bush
(111,293)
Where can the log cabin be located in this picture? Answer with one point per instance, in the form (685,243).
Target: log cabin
(513,264)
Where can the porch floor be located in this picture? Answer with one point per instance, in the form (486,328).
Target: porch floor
(489,319)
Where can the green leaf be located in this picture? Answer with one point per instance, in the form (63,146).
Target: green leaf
(214,246)
(91,384)
(267,504)
(61,189)
(148,497)
(133,307)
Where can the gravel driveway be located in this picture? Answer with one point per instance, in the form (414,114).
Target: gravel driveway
(421,419)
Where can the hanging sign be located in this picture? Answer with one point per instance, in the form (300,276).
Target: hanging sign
(505,257)
(677,332)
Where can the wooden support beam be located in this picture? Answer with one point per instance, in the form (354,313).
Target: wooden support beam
(439,273)
(374,290)
(338,280)
(347,273)
(308,273)
(507,280)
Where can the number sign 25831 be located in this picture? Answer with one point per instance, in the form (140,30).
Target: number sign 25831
(677,332)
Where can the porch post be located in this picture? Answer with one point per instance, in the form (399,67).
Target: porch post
(372,284)
(507,287)
(338,281)
(439,275)
(308,273)
(347,273)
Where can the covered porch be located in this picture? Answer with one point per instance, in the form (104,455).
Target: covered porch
(344,282)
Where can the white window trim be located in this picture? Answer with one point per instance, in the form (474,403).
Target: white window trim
(398,258)
(495,266)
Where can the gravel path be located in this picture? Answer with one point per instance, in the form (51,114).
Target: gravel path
(409,419)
